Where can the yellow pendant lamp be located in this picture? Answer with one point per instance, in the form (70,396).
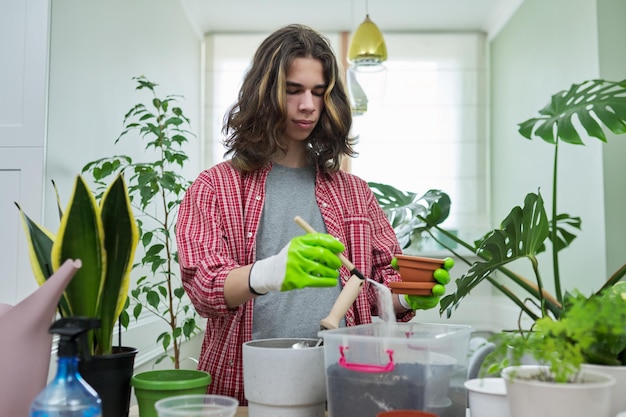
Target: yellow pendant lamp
(366,54)
(368,45)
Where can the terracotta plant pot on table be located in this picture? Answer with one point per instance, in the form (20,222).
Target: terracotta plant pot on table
(417,275)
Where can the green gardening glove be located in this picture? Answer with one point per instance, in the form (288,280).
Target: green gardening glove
(426,302)
(306,261)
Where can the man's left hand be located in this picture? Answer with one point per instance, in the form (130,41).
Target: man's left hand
(426,302)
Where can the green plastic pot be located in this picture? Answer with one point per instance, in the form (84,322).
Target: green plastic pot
(152,386)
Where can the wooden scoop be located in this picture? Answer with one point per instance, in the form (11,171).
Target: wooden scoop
(349,292)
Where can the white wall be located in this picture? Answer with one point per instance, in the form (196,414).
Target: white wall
(96,47)
(612,32)
(540,51)
(543,50)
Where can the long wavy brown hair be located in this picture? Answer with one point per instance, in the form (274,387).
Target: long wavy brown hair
(254,126)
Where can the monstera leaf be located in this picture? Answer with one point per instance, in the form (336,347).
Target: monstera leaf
(592,103)
(522,235)
(563,237)
(409,213)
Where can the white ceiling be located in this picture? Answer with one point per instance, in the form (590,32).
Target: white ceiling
(345,15)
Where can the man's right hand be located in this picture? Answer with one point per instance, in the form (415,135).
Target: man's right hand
(309,260)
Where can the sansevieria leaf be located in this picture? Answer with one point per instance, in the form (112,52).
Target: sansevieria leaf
(40,242)
(121,236)
(81,236)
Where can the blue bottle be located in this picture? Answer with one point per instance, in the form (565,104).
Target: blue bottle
(68,395)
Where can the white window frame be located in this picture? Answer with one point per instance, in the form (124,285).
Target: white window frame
(426,130)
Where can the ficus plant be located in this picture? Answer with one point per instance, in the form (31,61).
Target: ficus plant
(156,188)
(598,106)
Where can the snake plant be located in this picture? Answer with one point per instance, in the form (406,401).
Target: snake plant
(104,237)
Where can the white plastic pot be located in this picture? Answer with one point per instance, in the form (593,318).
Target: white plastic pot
(280,380)
(487,397)
(532,398)
(618,399)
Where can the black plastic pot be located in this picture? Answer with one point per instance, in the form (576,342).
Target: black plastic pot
(110,376)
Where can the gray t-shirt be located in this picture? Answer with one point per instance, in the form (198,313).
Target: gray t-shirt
(290,192)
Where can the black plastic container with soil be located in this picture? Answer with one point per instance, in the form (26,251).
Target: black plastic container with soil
(365,394)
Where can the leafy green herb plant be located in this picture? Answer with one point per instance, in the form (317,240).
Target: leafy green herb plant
(591,330)
(156,188)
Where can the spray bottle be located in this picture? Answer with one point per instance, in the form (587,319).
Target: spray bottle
(68,395)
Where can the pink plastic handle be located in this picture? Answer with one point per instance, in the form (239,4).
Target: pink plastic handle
(362,367)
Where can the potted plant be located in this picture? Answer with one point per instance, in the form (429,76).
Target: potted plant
(531,392)
(525,230)
(598,105)
(608,353)
(591,330)
(104,237)
(156,188)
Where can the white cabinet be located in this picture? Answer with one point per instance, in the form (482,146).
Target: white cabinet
(24,28)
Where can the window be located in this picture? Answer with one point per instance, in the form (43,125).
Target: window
(426,130)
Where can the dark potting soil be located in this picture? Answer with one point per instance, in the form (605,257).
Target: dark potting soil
(364,394)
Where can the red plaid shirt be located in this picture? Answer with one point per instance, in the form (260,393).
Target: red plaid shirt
(216,232)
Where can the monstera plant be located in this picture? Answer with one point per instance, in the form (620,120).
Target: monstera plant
(409,212)
(598,106)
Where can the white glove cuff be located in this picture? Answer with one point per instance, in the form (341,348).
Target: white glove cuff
(258,280)
(252,290)
(403,302)
(268,274)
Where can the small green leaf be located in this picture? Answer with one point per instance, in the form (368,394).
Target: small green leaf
(179,292)
(137,310)
(152,297)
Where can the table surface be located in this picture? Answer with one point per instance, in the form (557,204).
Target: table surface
(241,412)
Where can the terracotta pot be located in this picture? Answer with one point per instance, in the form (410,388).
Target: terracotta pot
(405,413)
(417,275)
